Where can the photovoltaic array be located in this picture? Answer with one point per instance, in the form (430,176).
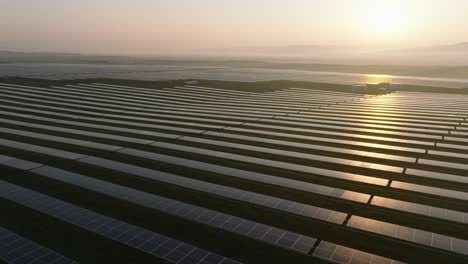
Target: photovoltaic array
(193,174)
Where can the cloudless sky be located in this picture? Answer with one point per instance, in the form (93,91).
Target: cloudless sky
(156,26)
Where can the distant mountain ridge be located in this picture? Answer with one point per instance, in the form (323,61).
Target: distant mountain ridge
(441,55)
(461,47)
(344,49)
(457,47)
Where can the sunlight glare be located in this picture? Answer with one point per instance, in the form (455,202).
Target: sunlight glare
(378,78)
(385,17)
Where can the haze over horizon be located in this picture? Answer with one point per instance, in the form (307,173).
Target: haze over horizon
(181,26)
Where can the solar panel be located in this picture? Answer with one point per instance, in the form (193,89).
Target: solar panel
(430,190)
(359,123)
(347,128)
(357,135)
(60,139)
(340,254)
(223,191)
(79,132)
(437,175)
(248,175)
(306,155)
(444,145)
(94,222)
(444,164)
(17,249)
(410,234)
(415,208)
(277,164)
(42,150)
(357,159)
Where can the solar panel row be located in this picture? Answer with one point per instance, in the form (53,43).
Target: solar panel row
(153,243)
(391,153)
(16,249)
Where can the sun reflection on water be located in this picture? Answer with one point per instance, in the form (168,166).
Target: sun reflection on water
(378,78)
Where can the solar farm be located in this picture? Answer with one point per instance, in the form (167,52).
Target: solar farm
(99,172)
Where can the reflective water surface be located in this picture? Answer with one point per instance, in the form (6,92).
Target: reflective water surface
(165,72)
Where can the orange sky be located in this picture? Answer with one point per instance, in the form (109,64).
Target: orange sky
(155,26)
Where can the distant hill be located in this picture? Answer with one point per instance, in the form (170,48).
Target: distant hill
(310,49)
(452,48)
(290,51)
(448,55)
(298,49)
(35,54)
(443,55)
(460,47)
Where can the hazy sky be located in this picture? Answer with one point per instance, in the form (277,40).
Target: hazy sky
(155,26)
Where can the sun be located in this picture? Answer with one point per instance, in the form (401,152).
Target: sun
(385,17)
(387,23)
